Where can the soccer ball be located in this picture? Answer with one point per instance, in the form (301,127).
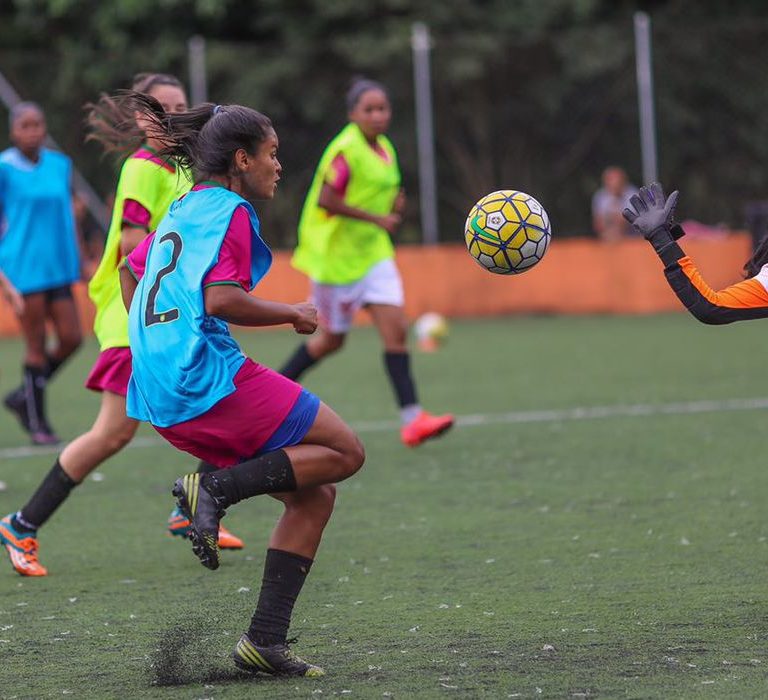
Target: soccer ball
(507,232)
(431,330)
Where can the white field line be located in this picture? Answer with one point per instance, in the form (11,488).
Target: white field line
(638,410)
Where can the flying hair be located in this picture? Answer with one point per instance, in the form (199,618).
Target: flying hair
(206,137)
(111,122)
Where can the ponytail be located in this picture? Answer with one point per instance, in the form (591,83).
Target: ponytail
(110,121)
(178,133)
(206,137)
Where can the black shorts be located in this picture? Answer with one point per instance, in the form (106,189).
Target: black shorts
(55,294)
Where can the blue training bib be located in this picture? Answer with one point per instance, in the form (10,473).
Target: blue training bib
(38,246)
(185,361)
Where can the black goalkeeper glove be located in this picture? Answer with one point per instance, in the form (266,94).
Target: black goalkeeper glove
(652,215)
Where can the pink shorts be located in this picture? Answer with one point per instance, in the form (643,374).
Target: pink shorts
(111,371)
(238,425)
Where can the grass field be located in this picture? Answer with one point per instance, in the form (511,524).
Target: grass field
(595,527)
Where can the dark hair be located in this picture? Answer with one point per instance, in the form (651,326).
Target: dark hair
(758,259)
(20,108)
(359,87)
(111,122)
(204,138)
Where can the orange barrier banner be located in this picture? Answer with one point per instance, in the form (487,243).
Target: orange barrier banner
(577,276)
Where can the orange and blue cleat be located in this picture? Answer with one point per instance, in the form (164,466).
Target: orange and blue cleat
(178,525)
(425,427)
(21,548)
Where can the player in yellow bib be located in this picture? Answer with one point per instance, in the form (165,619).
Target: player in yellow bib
(147,187)
(353,206)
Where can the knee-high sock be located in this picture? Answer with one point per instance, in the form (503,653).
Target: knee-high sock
(298,363)
(269,473)
(284,576)
(52,492)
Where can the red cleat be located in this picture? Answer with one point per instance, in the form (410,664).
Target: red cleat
(425,427)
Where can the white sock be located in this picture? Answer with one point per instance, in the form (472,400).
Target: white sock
(409,413)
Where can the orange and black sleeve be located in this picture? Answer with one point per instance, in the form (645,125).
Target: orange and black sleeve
(743,301)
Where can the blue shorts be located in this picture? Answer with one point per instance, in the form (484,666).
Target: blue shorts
(296,424)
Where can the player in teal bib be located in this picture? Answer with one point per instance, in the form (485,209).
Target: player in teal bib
(192,382)
(39,253)
(201,370)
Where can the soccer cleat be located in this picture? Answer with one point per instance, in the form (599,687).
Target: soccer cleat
(227,540)
(21,548)
(277,660)
(424,427)
(17,405)
(203,511)
(44,436)
(178,525)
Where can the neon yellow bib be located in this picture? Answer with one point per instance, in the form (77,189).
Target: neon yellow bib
(155,187)
(338,249)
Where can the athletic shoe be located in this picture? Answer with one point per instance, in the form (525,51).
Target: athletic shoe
(277,660)
(22,548)
(16,404)
(424,427)
(45,436)
(178,525)
(203,511)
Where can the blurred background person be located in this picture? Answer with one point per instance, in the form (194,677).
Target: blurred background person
(354,205)
(39,253)
(609,202)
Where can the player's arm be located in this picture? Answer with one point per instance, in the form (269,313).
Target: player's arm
(231,303)
(742,301)
(132,269)
(652,215)
(135,225)
(332,193)
(128,284)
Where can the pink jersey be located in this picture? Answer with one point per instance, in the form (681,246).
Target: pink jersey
(233,265)
(135,214)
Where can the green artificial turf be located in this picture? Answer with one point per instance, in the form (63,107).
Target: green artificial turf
(534,552)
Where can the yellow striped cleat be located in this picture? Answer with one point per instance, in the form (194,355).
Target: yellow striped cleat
(203,512)
(179,526)
(277,660)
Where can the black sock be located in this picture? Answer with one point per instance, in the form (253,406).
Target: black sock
(399,370)
(51,493)
(34,396)
(206,467)
(298,363)
(269,473)
(52,366)
(284,575)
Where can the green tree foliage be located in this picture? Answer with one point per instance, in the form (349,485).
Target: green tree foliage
(532,95)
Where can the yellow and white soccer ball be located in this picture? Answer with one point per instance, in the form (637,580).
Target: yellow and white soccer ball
(431,330)
(507,232)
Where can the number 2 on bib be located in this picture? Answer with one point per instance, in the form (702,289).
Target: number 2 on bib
(151,316)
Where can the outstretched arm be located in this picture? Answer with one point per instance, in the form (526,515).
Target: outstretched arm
(742,301)
(233,304)
(652,215)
